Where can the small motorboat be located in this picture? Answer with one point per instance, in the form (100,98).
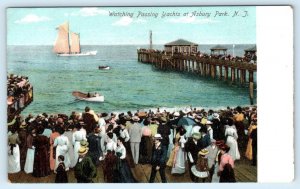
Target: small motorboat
(104,67)
(91,97)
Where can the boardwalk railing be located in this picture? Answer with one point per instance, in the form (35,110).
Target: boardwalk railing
(16,105)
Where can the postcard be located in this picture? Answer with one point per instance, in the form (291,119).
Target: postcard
(146,94)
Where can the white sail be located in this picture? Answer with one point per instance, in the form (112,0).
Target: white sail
(75,42)
(62,44)
(68,43)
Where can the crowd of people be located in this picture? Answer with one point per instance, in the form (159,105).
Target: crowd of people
(204,143)
(249,57)
(19,94)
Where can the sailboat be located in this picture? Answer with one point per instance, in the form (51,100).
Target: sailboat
(68,43)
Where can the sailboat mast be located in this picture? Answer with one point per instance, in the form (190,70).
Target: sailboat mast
(69,38)
(79,42)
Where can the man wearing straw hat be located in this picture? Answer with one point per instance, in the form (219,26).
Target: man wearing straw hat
(158,160)
(84,170)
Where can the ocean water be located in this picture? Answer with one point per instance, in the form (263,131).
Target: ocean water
(128,85)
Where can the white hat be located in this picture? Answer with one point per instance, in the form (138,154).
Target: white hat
(208,122)
(157,136)
(135,118)
(216,116)
(176,114)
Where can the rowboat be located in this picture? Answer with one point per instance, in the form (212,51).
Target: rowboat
(104,67)
(90,97)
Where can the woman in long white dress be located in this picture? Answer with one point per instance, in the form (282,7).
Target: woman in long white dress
(177,158)
(78,136)
(69,134)
(62,144)
(28,168)
(179,163)
(231,140)
(13,152)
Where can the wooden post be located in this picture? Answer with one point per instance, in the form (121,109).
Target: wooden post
(226,74)
(232,75)
(215,71)
(212,71)
(208,69)
(221,72)
(250,76)
(251,87)
(251,93)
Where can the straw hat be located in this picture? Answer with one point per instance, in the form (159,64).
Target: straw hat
(135,118)
(203,152)
(157,136)
(163,119)
(83,150)
(23,125)
(196,135)
(84,143)
(216,116)
(176,114)
(208,122)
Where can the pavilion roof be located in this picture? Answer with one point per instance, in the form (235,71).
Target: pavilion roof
(218,47)
(180,42)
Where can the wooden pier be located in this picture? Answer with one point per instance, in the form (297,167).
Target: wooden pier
(244,172)
(234,72)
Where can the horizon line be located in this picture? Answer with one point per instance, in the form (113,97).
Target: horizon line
(132,44)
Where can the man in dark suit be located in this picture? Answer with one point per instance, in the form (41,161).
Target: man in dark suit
(95,151)
(164,130)
(253,135)
(158,160)
(192,147)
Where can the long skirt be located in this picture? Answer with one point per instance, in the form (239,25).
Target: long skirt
(76,148)
(71,155)
(234,150)
(14,165)
(215,177)
(179,161)
(28,168)
(62,150)
(248,153)
(124,174)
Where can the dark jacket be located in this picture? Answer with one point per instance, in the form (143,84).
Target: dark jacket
(205,141)
(164,131)
(61,174)
(159,156)
(85,170)
(94,147)
(193,148)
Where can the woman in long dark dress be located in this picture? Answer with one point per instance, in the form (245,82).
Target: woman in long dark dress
(41,166)
(124,173)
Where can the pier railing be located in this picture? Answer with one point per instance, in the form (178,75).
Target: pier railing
(16,104)
(206,66)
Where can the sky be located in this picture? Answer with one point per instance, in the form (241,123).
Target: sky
(131,25)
